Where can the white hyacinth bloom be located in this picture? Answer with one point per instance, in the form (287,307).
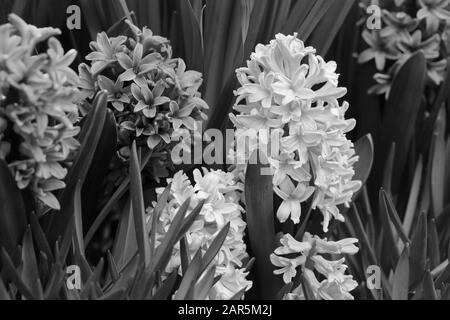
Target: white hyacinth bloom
(306,255)
(219,190)
(287,87)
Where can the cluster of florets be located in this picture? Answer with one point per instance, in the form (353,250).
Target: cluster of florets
(404,29)
(220,193)
(151,93)
(288,90)
(307,256)
(37,109)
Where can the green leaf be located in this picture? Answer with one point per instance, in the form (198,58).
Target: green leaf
(445,295)
(39,237)
(4,294)
(444,276)
(160,205)
(13,219)
(298,15)
(89,143)
(138,207)
(388,240)
(190,277)
(167,287)
(429,291)
(389,169)
(214,248)
(430,121)
(78,171)
(447,172)
(364,150)
(190,219)
(287,288)
(125,242)
(184,255)
(260,221)
(62,251)
(393,215)
(149,13)
(309,294)
(92,193)
(10,272)
(164,250)
(56,282)
(438,166)
(326,30)
(113,295)
(418,251)
(425,201)
(128,275)
(100,18)
(112,267)
(217,19)
(401,112)
(30,272)
(205,284)
(401,285)
(121,190)
(433,245)
(192,38)
(91,286)
(413,198)
(78,219)
(362,236)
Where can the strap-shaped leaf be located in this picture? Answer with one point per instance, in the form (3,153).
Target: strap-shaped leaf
(418,252)
(364,150)
(190,277)
(138,207)
(165,248)
(13,219)
(12,274)
(401,112)
(438,167)
(30,272)
(167,287)
(99,169)
(393,215)
(59,220)
(429,291)
(401,277)
(121,190)
(260,221)
(205,284)
(214,248)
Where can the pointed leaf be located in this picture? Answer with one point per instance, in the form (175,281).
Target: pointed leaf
(401,277)
(401,111)
(12,211)
(214,248)
(429,291)
(364,150)
(137,200)
(418,251)
(190,277)
(260,221)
